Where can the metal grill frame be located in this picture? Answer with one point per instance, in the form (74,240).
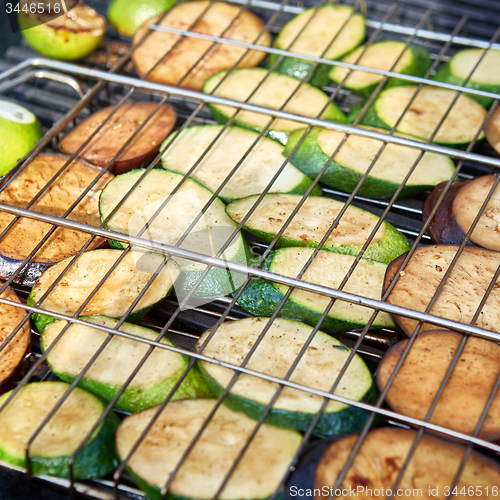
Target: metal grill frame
(30,69)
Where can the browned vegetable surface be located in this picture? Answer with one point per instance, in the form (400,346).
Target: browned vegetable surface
(12,355)
(432,467)
(460,207)
(466,392)
(492,129)
(217,20)
(117,131)
(26,233)
(460,296)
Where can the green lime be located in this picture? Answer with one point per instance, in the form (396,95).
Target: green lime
(19,130)
(128,15)
(68,37)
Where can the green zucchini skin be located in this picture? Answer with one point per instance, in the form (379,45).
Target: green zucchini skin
(347,420)
(420,64)
(310,158)
(444,75)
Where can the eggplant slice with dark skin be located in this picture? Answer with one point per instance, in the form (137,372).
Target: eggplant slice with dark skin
(466,392)
(117,131)
(459,208)
(13,354)
(460,296)
(429,475)
(26,233)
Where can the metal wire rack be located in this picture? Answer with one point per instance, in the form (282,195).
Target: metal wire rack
(92,86)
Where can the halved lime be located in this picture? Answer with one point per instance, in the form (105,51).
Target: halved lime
(127,16)
(19,130)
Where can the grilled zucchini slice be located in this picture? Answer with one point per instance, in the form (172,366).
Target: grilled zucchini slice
(193,60)
(329,31)
(486,76)
(460,296)
(114,296)
(208,236)
(466,393)
(415,60)
(260,163)
(114,365)
(261,297)
(257,475)
(311,222)
(430,472)
(427,110)
(275,354)
(272,90)
(355,157)
(62,435)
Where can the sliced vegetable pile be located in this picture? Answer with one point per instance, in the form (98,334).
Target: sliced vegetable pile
(26,233)
(162,58)
(318,368)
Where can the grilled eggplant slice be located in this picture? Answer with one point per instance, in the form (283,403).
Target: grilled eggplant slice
(462,293)
(261,297)
(458,210)
(257,475)
(329,31)
(114,365)
(425,113)
(357,154)
(52,448)
(414,60)
(26,233)
(114,296)
(380,459)
(12,355)
(312,221)
(270,90)
(207,237)
(294,409)
(260,164)
(170,65)
(117,131)
(467,390)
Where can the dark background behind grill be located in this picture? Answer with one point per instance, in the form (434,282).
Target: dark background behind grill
(484,20)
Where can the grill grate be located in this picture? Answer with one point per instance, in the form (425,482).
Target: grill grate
(53,91)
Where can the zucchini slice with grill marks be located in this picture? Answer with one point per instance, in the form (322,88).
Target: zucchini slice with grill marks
(425,113)
(460,296)
(415,61)
(114,365)
(261,162)
(458,210)
(257,475)
(272,90)
(381,457)
(114,296)
(62,435)
(485,77)
(261,297)
(207,237)
(466,392)
(170,58)
(26,233)
(312,221)
(355,157)
(336,29)
(318,368)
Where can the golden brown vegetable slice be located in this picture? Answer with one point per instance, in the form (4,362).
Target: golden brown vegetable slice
(12,355)
(460,296)
(117,131)
(26,233)
(492,129)
(429,475)
(465,395)
(176,63)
